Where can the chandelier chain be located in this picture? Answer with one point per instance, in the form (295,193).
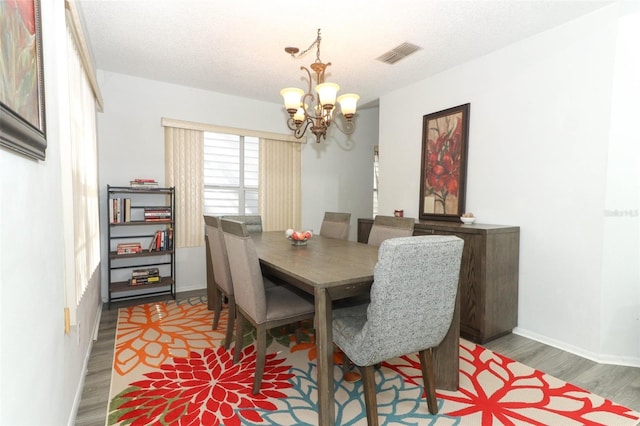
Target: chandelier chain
(315,43)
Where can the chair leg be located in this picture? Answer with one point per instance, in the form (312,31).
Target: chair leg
(216,309)
(346,364)
(261,350)
(232,317)
(239,336)
(426,362)
(370,400)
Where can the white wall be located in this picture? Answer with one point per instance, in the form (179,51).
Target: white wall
(538,144)
(620,292)
(41,368)
(336,175)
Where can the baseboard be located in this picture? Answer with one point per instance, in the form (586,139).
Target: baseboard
(85,368)
(581,352)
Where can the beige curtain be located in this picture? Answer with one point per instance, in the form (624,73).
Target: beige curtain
(280,194)
(184,157)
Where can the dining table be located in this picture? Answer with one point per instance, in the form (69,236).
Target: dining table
(331,269)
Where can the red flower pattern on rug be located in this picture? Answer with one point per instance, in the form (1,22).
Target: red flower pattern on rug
(204,389)
(503,391)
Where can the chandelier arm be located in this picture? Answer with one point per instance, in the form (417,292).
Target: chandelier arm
(300,130)
(303,68)
(291,124)
(349,126)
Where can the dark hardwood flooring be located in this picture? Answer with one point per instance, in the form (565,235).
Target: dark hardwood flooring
(620,384)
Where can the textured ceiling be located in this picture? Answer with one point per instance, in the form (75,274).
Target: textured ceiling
(237,47)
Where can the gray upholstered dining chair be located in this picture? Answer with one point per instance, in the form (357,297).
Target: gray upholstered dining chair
(264,306)
(385,227)
(253,222)
(221,273)
(412,301)
(335,225)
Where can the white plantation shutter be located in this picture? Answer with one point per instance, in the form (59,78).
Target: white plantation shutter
(230,174)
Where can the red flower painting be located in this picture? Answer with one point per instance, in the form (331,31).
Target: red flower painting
(444,162)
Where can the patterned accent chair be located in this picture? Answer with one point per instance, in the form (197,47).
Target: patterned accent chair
(219,261)
(385,227)
(335,225)
(264,306)
(412,301)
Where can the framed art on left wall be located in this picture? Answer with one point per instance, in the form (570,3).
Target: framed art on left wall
(22,109)
(443,171)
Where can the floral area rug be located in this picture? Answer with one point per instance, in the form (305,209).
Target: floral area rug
(170,368)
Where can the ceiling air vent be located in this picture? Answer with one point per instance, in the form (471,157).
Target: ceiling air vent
(399,52)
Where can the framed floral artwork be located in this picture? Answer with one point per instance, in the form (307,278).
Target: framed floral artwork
(22,110)
(445,137)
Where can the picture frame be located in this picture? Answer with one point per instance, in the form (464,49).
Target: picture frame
(445,137)
(22,105)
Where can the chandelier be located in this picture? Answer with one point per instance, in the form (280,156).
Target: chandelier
(317,112)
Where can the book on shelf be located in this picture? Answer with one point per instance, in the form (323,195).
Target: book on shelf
(145,272)
(119,210)
(162,240)
(144,280)
(127,210)
(143,183)
(157,214)
(128,248)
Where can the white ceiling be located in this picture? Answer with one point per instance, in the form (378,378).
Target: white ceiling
(237,47)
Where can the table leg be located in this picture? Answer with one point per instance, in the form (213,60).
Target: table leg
(324,345)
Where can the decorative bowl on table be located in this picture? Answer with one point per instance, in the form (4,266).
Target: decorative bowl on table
(467,218)
(298,238)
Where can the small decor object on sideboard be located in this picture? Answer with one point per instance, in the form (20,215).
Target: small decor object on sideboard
(467,218)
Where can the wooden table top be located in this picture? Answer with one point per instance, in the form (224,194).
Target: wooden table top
(322,263)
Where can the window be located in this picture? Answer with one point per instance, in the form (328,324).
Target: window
(79,176)
(230,174)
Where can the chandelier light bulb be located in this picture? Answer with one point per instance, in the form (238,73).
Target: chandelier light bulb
(292,98)
(299,115)
(327,94)
(348,104)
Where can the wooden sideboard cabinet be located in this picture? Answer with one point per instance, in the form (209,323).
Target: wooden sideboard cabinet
(488,275)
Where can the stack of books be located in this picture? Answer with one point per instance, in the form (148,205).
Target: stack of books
(143,183)
(157,214)
(144,276)
(129,248)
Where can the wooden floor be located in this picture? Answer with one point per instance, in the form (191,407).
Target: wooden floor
(620,384)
